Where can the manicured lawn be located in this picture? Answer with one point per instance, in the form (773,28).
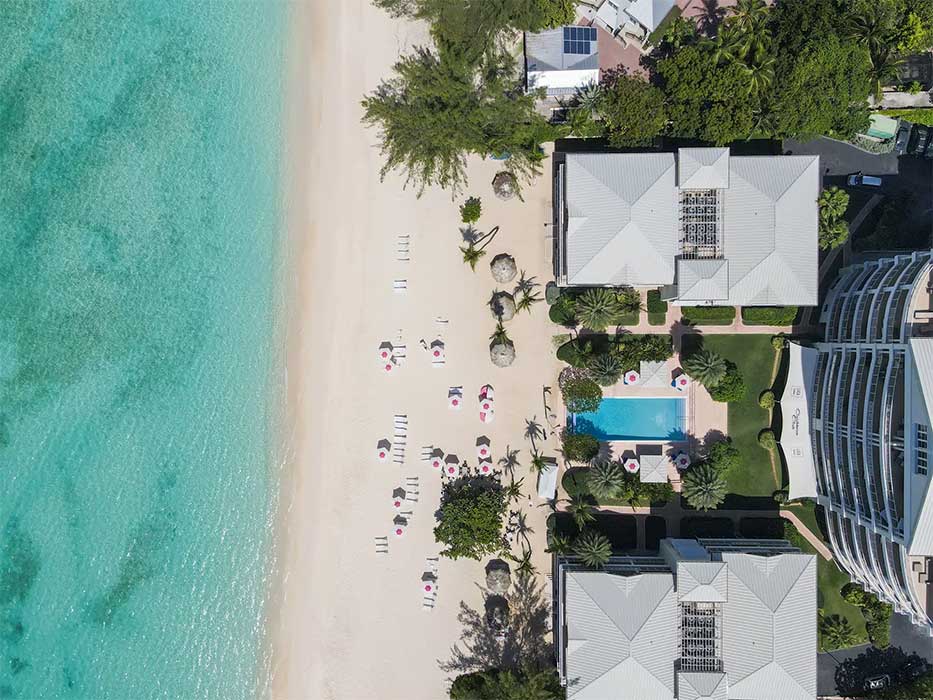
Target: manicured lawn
(829,578)
(917,116)
(657,308)
(769,315)
(754,357)
(629,318)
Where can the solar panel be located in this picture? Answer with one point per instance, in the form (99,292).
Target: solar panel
(577,40)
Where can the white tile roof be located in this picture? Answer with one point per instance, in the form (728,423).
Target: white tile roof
(919,518)
(703,168)
(622,218)
(621,635)
(702,582)
(702,686)
(653,468)
(622,225)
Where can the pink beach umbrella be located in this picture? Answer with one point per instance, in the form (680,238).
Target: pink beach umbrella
(631,465)
(385,351)
(487,415)
(485,405)
(389,365)
(682,460)
(485,467)
(455,402)
(451,469)
(428,587)
(681,382)
(437,462)
(382,450)
(398,502)
(398,530)
(631,377)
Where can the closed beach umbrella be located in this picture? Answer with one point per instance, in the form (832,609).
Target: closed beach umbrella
(631,377)
(631,465)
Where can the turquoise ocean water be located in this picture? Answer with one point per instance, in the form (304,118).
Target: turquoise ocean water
(140,225)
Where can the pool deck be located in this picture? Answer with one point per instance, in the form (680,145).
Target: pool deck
(707,421)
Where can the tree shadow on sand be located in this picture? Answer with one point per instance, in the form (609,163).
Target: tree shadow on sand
(522,645)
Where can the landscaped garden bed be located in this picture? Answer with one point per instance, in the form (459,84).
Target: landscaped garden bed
(706,527)
(769,315)
(629,492)
(708,315)
(657,308)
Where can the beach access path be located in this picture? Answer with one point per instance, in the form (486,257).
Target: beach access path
(344,621)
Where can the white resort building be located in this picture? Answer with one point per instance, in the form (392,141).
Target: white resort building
(856,413)
(705,226)
(704,619)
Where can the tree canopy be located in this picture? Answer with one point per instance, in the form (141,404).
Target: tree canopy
(470,518)
(495,684)
(631,109)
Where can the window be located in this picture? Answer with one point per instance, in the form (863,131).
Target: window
(920,448)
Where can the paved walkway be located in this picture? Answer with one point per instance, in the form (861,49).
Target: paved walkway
(673,513)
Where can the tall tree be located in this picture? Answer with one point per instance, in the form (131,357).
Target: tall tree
(631,109)
(605,479)
(598,307)
(593,548)
(706,367)
(704,487)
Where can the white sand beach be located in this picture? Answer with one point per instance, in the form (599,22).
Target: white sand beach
(345,621)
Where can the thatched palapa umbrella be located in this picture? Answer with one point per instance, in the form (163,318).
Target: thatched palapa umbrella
(503,268)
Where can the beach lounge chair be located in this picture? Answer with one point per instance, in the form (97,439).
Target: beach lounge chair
(382,544)
(403,247)
(400,286)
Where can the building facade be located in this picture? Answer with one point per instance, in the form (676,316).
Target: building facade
(869,405)
(712,618)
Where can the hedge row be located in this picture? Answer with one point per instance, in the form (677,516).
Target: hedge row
(708,315)
(769,315)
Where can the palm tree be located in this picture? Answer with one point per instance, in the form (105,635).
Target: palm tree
(597,308)
(513,492)
(606,369)
(706,367)
(525,567)
(593,548)
(500,335)
(525,284)
(748,15)
(588,97)
(836,632)
(704,486)
(538,462)
(629,300)
(680,32)
(721,47)
(883,70)
(558,544)
(760,75)
(581,510)
(527,300)
(604,480)
(472,252)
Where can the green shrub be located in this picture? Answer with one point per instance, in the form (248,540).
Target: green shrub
(766,439)
(633,349)
(769,315)
(876,613)
(778,342)
(469,521)
(471,210)
(581,394)
(579,447)
(914,88)
(656,305)
(551,293)
(780,497)
(730,388)
(723,456)
(563,312)
(766,399)
(606,369)
(576,352)
(709,315)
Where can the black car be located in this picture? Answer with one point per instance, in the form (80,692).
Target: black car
(903,136)
(918,140)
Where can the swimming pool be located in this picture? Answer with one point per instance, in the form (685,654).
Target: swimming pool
(635,418)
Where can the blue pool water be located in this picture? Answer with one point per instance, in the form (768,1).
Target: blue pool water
(635,418)
(140,258)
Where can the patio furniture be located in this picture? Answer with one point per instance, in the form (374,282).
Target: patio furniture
(382,544)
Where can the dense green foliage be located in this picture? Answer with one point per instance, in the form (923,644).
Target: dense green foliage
(877,614)
(471,210)
(708,315)
(836,632)
(597,307)
(766,439)
(605,368)
(470,518)
(496,684)
(704,486)
(723,456)
(593,548)
(579,447)
(834,231)
(915,116)
(918,689)
(897,227)
(769,315)
(618,488)
(766,399)
(626,351)
(705,367)
(632,110)
(581,394)
(657,308)
(731,387)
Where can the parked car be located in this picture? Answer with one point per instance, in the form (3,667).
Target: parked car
(918,140)
(902,138)
(878,682)
(859,180)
